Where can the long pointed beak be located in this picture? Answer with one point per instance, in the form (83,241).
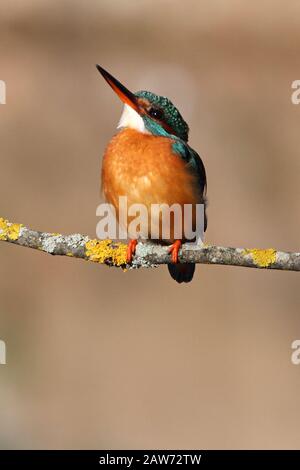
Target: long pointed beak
(123,93)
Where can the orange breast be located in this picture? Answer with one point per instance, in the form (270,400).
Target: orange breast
(144,168)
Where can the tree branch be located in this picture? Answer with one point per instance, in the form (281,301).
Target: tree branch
(147,254)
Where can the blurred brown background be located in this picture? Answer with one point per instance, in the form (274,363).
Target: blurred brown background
(101,359)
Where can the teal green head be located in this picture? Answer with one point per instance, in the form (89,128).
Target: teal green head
(148,112)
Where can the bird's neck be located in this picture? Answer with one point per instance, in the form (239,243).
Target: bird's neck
(130,119)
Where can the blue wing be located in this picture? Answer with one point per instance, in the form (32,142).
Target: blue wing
(194,162)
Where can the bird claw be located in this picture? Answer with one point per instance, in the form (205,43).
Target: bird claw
(174,250)
(130,251)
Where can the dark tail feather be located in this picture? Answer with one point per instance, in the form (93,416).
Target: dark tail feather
(182,272)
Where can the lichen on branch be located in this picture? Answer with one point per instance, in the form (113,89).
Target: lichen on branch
(147,254)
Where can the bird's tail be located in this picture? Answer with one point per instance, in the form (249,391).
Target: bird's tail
(182,272)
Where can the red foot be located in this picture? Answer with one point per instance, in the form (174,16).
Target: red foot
(131,250)
(174,249)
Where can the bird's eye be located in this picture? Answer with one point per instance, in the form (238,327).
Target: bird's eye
(156,113)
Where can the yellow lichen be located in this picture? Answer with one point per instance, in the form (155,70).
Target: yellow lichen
(70,253)
(262,258)
(54,234)
(9,231)
(101,251)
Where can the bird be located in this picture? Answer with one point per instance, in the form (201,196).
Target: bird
(150,161)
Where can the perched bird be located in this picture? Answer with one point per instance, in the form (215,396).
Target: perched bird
(150,162)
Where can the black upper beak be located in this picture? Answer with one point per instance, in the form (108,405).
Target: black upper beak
(124,94)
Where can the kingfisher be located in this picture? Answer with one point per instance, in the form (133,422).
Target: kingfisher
(150,162)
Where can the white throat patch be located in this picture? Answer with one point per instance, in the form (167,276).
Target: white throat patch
(130,118)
